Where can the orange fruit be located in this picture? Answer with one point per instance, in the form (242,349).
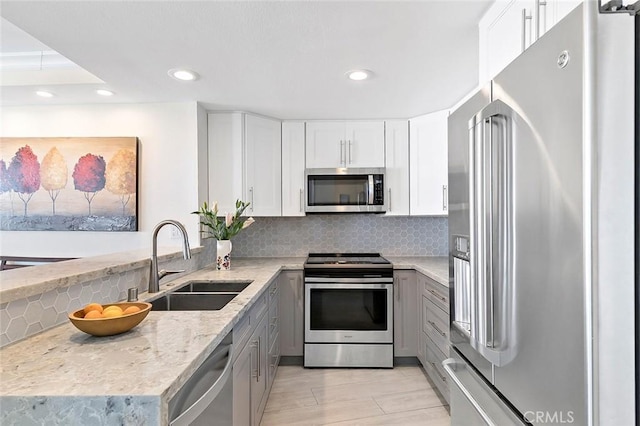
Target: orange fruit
(131,310)
(93,314)
(113,308)
(112,313)
(93,307)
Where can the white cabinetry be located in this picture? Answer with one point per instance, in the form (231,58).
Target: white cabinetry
(428,165)
(293,168)
(245,162)
(335,144)
(397,167)
(511,26)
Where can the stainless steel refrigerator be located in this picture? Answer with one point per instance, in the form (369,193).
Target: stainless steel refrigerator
(541,227)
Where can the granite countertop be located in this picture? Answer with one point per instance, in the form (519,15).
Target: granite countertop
(136,373)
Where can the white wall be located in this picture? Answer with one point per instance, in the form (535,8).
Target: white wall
(168,171)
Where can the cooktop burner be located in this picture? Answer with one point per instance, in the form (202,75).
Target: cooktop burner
(346,259)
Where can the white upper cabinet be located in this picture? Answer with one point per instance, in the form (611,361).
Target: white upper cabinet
(245,162)
(511,26)
(335,144)
(293,168)
(428,171)
(225,137)
(397,167)
(263,165)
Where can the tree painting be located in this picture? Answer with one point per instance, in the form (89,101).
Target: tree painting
(24,174)
(121,176)
(53,174)
(88,176)
(5,182)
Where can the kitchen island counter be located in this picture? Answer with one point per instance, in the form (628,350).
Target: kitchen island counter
(63,376)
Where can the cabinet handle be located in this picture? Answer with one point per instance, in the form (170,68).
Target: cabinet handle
(540,4)
(525,18)
(256,344)
(301,197)
(259,356)
(444,379)
(433,324)
(251,197)
(350,152)
(389,199)
(438,296)
(342,153)
(445,201)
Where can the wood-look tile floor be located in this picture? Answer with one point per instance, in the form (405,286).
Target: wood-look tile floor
(398,396)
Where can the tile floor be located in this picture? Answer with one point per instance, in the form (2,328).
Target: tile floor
(399,396)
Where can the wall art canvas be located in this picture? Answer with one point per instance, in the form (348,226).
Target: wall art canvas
(69,184)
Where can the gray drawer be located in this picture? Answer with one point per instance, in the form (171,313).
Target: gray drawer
(436,371)
(437,293)
(436,325)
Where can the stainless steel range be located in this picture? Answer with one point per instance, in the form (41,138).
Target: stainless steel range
(348,318)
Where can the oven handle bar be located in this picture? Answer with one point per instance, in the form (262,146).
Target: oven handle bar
(322,280)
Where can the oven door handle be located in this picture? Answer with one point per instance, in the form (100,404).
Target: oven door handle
(331,286)
(371,280)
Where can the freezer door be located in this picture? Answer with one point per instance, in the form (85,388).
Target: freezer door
(543,88)
(472,401)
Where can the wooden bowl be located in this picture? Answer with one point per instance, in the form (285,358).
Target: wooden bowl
(110,326)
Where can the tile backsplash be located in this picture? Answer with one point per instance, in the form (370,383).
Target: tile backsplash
(389,235)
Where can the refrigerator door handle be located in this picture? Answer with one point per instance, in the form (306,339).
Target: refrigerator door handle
(447,363)
(491,235)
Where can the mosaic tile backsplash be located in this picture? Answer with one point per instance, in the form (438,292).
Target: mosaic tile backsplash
(388,235)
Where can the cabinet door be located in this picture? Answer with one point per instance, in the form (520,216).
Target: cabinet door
(505,31)
(364,144)
(293,168)
(405,314)
(291,313)
(325,144)
(428,165)
(397,167)
(263,166)
(225,136)
(259,374)
(242,388)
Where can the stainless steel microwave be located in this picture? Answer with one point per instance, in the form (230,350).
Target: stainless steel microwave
(345,190)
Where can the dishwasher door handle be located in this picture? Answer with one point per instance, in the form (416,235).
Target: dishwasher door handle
(198,407)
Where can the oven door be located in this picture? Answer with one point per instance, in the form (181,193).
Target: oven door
(348,313)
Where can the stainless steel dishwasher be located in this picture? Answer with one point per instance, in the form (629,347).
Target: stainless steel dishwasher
(206,399)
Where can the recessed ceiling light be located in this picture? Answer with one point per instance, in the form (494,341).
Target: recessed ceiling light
(183,75)
(104,92)
(358,75)
(44,94)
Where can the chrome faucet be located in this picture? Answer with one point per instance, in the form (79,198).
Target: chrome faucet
(155,276)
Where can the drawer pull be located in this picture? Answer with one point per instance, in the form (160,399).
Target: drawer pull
(437,295)
(433,324)
(444,379)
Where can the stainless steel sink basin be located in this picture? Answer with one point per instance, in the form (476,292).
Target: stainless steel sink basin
(192,301)
(213,287)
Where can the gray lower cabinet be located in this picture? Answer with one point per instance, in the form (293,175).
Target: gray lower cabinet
(433,299)
(291,313)
(255,360)
(405,314)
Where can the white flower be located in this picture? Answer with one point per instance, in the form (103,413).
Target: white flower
(248,223)
(228,220)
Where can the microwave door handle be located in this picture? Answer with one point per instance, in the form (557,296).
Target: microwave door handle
(370,191)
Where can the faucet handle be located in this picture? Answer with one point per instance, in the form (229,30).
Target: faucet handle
(164,272)
(132,294)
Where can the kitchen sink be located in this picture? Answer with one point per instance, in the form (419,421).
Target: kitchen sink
(192,301)
(213,287)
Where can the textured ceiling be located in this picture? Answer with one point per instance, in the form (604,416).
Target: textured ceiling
(282,59)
